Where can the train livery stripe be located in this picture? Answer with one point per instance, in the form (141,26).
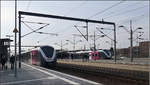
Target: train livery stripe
(64,79)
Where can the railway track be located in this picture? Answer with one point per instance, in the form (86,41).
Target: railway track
(100,76)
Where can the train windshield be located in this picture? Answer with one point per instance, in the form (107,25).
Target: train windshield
(48,51)
(107,51)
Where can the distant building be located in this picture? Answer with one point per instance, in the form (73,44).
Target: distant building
(144,48)
(138,51)
(123,52)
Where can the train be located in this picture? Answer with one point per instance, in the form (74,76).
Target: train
(100,54)
(42,56)
(92,55)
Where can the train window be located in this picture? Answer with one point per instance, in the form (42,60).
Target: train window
(107,51)
(48,51)
(102,55)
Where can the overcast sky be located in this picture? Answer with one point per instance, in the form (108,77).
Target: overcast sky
(120,12)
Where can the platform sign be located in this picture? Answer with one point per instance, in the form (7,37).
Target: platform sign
(15,30)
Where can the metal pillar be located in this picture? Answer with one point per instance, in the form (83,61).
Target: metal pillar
(94,46)
(74,42)
(9,53)
(15,56)
(19,41)
(87,30)
(0,22)
(15,37)
(115,54)
(61,45)
(61,48)
(131,42)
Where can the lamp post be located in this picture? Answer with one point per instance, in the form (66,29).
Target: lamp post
(131,32)
(139,37)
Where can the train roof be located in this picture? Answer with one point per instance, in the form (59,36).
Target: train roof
(84,51)
(37,48)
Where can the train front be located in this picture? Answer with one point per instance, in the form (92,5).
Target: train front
(48,55)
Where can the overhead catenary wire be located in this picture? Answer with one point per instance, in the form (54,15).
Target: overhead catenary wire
(125,12)
(83,3)
(35,30)
(47,33)
(107,9)
(70,12)
(124,8)
(64,30)
(98,13)
(40,32)
(104,34)
(102,12)
(27,26)
(34,22)
(135,19)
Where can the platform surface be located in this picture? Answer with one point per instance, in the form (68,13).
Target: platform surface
(108,64)
(35,75)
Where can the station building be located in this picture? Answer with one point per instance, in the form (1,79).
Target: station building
(4,45)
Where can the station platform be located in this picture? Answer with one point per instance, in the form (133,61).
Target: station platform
(107,64)
(35,75)
(129,71)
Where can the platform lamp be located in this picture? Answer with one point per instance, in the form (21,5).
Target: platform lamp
(131,32)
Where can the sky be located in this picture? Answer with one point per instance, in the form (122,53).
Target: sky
(120,12)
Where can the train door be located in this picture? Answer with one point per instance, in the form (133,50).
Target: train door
(94,55)
(33,53)
(36,57)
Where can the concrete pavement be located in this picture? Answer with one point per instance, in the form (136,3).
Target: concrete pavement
(35,75)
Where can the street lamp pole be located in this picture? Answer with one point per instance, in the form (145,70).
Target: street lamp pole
(131,41)
(15,31)
(131,32)
(115,53)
